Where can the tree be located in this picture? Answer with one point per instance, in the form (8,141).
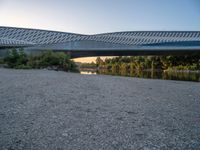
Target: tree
(54,60)
(99,62)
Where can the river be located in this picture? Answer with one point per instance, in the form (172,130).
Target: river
(165,75)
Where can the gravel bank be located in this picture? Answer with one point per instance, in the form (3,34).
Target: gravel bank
(42,109)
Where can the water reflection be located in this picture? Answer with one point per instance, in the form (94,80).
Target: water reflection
(166,75)
(88,72)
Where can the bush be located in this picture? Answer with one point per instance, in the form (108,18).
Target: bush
(16,58)
(1,61)
(51,60)
(23,67)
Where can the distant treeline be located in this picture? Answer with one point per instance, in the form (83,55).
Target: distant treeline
(148,62)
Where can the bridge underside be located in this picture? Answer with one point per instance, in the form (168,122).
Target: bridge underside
(75,53)
(131,52)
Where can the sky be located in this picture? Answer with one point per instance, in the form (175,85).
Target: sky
(98,16)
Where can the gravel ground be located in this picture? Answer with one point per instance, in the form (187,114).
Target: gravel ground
(51,110)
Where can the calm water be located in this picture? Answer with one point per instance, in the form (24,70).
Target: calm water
(184,76)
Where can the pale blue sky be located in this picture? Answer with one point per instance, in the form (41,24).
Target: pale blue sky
(96,16)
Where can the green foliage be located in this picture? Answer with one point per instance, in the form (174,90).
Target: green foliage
(16,58)
(1,61)
(22,66)
(88,65)
(52,60)
(191,62)
(99,62)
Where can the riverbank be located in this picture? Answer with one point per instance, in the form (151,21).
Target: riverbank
(41,109)
(181,75)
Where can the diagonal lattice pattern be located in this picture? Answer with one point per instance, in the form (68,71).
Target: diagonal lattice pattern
(10,36)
